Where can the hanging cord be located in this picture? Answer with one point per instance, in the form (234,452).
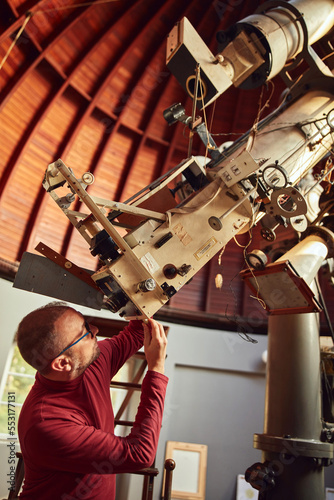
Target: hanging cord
(77,5)
(219,277)
(328,55)
(266,104)
(327,385)
(212,115)
(322,300)
(329,173)
(257,296)
(253,131)
(208,145)
(208,129)
(14,42)
(42,11)
(193,114)
(242,333)
(205,122)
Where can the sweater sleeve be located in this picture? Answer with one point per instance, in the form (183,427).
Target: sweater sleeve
(121,347)
(65,444)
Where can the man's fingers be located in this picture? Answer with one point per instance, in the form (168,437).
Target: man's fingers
(154,332)
(147,334)
(155,343)
(159,329)
(153,328)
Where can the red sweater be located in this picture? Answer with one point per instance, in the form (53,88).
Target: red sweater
(66,429)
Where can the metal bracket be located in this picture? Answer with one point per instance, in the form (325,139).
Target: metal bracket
(293,446)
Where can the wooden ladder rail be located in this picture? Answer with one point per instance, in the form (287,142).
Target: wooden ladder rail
(148,473)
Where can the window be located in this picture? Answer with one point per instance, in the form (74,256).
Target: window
(20,379)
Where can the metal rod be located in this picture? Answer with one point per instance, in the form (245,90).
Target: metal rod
(193,115)
(319,180)
(236,205)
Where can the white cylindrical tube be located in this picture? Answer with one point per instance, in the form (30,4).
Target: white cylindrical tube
(281,27)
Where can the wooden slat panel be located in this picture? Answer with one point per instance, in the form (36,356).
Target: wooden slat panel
(47,18)
(12,65)
(116,94)
(148,89)
(93,69)
(63,151)
(51,228)
(172,93)
(81,155)
(115,162)
(91,137)
(55,126)
(46,142)
(19,112)
(143,170)
(78,252)
(191,297)
(83,34)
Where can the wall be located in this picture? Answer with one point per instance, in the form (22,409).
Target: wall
(215,397)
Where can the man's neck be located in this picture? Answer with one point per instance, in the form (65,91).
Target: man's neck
(62,376)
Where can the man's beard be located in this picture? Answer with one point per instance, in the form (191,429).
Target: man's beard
(79,366)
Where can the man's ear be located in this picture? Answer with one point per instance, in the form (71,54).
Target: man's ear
(62,364)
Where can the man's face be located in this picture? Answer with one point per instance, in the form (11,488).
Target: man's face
(70,327)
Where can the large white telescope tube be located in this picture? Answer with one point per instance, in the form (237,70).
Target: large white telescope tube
(280,30)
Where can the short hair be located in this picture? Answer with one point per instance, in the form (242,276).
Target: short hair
(37,338)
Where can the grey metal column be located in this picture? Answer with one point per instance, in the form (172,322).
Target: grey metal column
(291,441)
(292,428)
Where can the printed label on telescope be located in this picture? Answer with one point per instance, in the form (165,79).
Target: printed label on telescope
(205,248)
(182,234)
(150,263)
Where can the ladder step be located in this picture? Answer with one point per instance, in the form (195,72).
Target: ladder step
(124,385)
(139,355)
(149,471)
(128,423)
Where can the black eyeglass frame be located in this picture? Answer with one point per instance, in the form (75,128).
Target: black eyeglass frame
(83,336)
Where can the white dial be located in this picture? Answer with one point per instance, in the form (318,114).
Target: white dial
(257,259)
(275,176)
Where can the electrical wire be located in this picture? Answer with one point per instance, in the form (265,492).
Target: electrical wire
(74,6)
(253,131)
(325,310)
(257,296)
(30,14)
(14,42)
(242,334)
(327,385)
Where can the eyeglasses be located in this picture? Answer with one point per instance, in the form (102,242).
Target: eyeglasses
(85,335)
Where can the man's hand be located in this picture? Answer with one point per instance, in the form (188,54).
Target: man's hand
(155,344)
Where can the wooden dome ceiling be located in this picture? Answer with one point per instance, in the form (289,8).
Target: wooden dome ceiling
(87,82)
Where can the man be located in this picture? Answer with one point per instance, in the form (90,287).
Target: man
(66,425)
